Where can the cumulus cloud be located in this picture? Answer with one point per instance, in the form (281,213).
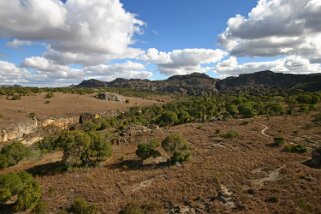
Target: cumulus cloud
(276,27)
(41,71)
(18,43)
(51,70)
(82,31)
(290,64)
(186,61)
(128,70)
(11,74)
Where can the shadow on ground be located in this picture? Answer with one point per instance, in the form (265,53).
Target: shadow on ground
(137,165)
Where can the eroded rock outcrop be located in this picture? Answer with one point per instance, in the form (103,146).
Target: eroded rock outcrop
(22,129)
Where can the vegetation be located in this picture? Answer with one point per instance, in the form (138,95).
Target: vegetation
(80,148)
(177,147)
(230,134)
(12,154)
(295,148)
(81,206)
(195,109)
(278,141)
(21,186)
(49,95)
(142,208)
(148,150)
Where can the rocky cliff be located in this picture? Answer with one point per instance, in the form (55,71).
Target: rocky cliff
(32,126)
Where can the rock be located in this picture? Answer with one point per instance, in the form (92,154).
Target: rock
(110,97)
(316,157)
(87,117)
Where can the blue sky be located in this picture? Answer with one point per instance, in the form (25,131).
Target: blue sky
(48,41)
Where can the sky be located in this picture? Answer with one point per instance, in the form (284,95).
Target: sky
(58,43)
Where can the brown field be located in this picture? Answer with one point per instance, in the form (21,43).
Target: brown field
(240,175)
(14,111)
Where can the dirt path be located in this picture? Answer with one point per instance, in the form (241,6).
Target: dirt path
(264,129)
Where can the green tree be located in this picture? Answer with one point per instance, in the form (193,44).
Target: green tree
(21,186)
(148,150)
(81,206)
(12,154)
(178,147)
(168,118)
(81,148)
(246,110)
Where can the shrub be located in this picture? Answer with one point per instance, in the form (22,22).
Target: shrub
(278,141)
(40,208)
(246,110)
(273,199)
(148,150)
(22,186)
(32,115)
(12,154)
(81,148)
(142,208)
(49,95)
(230,134)
(178,148)
(16,97)
(295,148)
(168,118)
(81,206)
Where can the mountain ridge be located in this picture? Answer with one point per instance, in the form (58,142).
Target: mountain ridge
(202,84)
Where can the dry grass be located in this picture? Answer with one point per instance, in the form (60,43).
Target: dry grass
(250,171)
(14,111)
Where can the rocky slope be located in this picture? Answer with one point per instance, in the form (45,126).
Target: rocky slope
(269,79)
(201,84)
(192,84)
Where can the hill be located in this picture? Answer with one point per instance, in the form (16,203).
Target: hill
(202,84)
(269,79)
(192,84)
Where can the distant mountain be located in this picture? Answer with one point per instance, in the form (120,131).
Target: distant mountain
(202,84)
(269,79)
(192,84)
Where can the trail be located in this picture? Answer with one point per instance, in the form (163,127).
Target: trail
(264,129)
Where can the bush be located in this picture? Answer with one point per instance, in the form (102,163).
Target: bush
(148,150)
(81,206)
(246,110)
(144,208)
(168,118)
(230,134)
(12,154)
(16,97)
(22,186)
(278,141)
(40,208)
(49,95)
(81,148)
(295,148)
(178,147)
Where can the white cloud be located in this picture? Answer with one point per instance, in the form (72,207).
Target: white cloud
(276,27)
(52,70)
(290,64)
(41,71)
(97,30)
(18,43)
(184,61)
(127,70)
(11,74)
